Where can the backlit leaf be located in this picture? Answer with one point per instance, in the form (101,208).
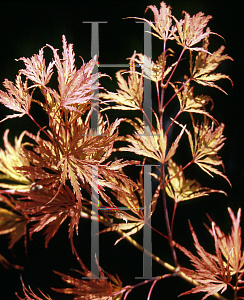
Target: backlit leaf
(207,142)
(214,272)
(93,288)
(17,97)
(130,95)
(9,160)
(162,24)
(191,30)
(181,189)
(206,63)
(36,70)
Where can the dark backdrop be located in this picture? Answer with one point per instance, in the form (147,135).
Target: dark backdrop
(25,28)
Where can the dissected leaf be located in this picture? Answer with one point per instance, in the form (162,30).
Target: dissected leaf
(230,245)
(12,223)
(36,70)
(48,214)
(214,272)
(75,86)
(9,160)
(191,30)
(190,103)
(133,201)
(94,288)
(85,149)
(69,156)
(209,271)
(206,63)
(175,144)
(7,264)
(207,142)
(181,189)
(17,97)
(130,95)
(146,141)
(151,143)
(152,70)
(162,22)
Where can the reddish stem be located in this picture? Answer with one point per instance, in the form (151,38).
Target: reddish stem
(172,220)
(166,215)
(171,74)
(171,124)
(184,84)
(181,170)
(39,126)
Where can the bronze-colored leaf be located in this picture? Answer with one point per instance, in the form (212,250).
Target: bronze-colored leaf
(17,97)
(214,272)
(13,223)
(230,245)
(36,70)
(10,159)
(193,104)
(94,288)
(4,262)
(162,24)
(206,63)
(191,30)
(76,87)
(130,95)
(207,142)
(150,69)
(181,189)
(146,141)
(135,216)
(150,142)
(49,212)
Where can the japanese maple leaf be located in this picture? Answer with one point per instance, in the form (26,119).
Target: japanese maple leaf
(133,200)
(90,289)
(207,142)
(76,155)
(190,103)
(93,288)
(4,262)
(152,70)
(36,69)
(42,157)
(49,212)
(9,160)
(75,86)
(206,63)
(214,272)
(129,95)
(151,143)
(30,295)
(17,97)
(191,30)
(162,24)
(211,271)
(12,221)
(86,153)
(230,245)
(181,189)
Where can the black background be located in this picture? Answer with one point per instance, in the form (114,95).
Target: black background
(28,26)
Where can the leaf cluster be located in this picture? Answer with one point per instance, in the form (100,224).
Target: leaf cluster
(68,166)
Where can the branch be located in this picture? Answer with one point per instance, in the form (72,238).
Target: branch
(166,265)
